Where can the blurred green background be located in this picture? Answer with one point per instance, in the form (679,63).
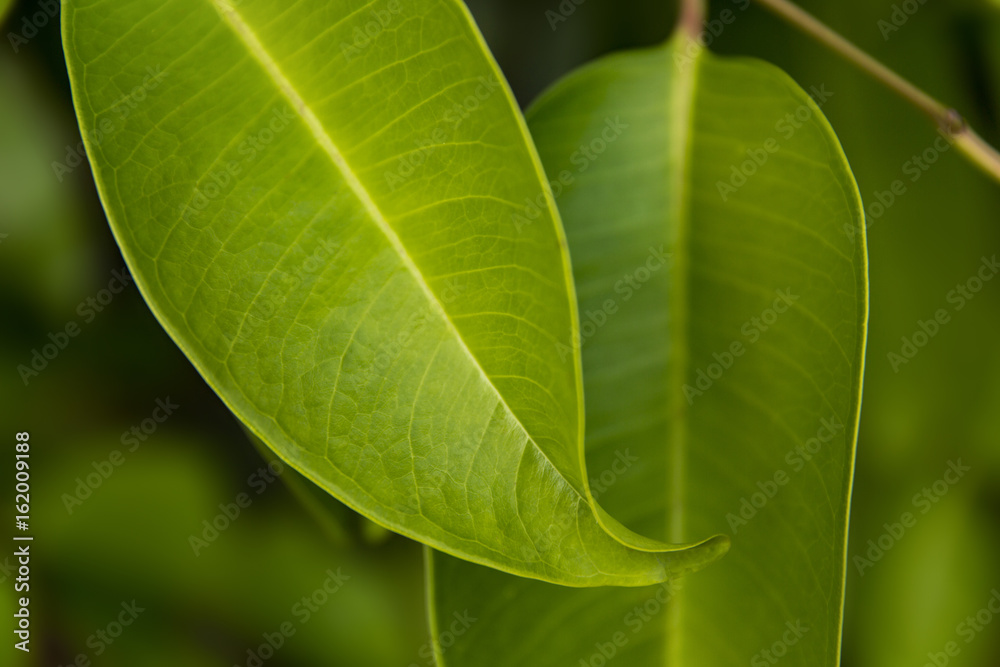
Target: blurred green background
(131,538)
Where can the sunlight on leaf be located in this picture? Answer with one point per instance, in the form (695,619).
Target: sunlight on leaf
(323,204)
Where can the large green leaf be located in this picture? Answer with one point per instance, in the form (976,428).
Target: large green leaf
(712,405)
(317,201)
(910,602)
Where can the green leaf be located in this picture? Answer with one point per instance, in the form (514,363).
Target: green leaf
(710,381)
(327,206)
(933,577)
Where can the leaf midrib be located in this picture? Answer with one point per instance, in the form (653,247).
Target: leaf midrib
(680,109)
(232,18)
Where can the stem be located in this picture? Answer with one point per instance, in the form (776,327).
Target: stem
(692,17)
(950,123)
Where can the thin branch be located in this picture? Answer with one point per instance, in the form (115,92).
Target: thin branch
(692,17)
(950,123)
